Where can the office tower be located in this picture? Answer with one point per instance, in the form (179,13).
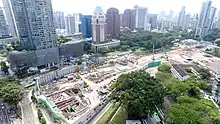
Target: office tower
(59,21)
(211,17)
(99,26)
(9,18)
(70,24)
(35,24)
(78,22)
(181,19)
(218,20)
(194,21)
(3,25)
(121,20)
(152,19)
(203,24)
(141,17)
(186,22)
(129,19)
(113,22)
(87,26)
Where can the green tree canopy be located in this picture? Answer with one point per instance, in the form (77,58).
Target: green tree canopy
(205,74)
(4,67)
(188,110)
(11,93)
(139,92)
(164,68)
(104,50)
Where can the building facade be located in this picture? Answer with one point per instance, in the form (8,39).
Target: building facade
(87,26)
(211,17)
(187,20)
(141,17)
(99,26)
(3,25)
(78,22)
(10,18)
(203,24)
(129,18)
(181,19)
(152,19)
(34,23)
(113,22)
(70,24)
(59,20)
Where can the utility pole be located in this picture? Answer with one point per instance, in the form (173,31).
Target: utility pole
(153,52)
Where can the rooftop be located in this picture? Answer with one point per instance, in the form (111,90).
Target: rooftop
(182,72)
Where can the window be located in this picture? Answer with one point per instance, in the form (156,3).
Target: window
(97,21)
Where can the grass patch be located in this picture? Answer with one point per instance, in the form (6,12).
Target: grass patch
(107,116)
(120,117)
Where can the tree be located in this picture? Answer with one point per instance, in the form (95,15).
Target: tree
(4,54)
(16,46)
(11,93)
(163,76)
(33,98)
(164,68)
(4,67)
(139,92)
(104,50)
(205,74)
(188,110)
(62,39)
(203,85)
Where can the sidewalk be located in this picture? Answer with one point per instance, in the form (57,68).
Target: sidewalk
(34,109)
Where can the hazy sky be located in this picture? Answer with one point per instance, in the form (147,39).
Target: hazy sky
(154,6)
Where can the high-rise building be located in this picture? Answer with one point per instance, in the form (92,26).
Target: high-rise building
(186,22)
(211,17)
(121,20)
(35,24)
(70,24)
(59,21)
(218,20)
(3,25)
(10,18)
(203,24)
(129,19)
(141,17)
(87,26)
(99,26)
(78,22)
(152,18)
(181,18)
(113,22)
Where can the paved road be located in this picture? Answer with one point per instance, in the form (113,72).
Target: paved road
(4,117)
(99,114)
(27,113)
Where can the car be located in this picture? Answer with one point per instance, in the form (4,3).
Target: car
(8,111)
(2,104)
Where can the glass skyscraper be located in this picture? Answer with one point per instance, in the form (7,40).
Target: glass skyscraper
(86,26)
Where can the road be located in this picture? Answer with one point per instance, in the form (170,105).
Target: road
(4,117)
(100,114)
(27,113)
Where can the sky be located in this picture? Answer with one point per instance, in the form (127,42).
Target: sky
(154,6)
